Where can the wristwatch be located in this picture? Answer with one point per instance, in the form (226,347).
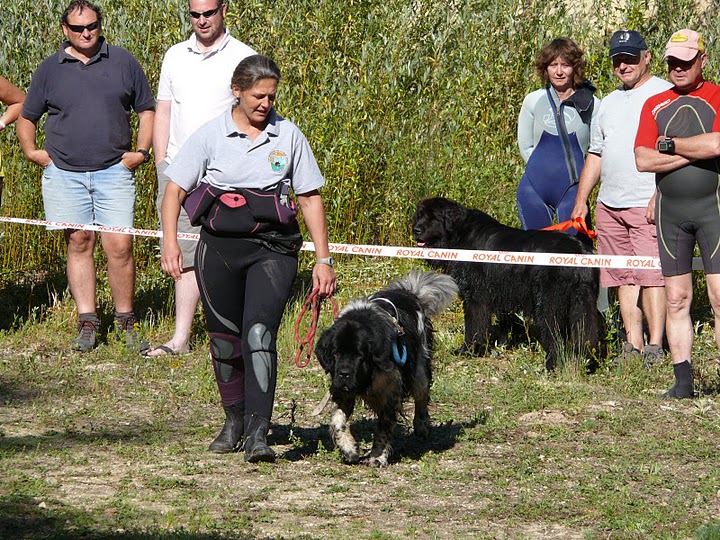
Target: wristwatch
(145,154)
(326,260)
(666,146)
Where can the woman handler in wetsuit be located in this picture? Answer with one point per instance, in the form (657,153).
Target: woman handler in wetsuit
(554,135)
(244,156)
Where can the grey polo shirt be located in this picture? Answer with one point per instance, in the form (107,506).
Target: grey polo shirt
(219,154)
(88,106)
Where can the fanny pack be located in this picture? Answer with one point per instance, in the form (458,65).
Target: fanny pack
(265,215)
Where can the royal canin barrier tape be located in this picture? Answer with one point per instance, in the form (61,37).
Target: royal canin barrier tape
(462,255)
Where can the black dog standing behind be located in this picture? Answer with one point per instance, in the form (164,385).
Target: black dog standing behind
(560,300)
(380,350)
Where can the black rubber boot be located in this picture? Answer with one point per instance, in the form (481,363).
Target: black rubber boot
(256,447)
(231,433)
(683,387)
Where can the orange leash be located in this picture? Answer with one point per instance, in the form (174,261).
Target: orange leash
(578,223)
(313,305)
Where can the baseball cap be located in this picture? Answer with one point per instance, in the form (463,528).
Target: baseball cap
(627,42)
(684,45)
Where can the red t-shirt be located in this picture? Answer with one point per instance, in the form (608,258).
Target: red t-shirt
(672,114)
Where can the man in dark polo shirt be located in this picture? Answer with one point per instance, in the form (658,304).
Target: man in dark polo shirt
(88,90)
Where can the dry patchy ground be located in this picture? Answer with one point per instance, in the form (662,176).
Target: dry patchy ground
(111,445)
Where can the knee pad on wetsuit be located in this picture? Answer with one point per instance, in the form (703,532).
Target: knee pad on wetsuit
(223,371)
(259,340)
(225,346)
(228,366)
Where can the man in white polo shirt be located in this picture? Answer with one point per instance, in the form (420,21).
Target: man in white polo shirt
(194,88)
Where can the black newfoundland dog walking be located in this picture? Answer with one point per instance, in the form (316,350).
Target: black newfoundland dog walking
(561,301)
(380,350)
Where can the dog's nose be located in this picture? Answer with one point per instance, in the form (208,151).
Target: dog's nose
(344,374)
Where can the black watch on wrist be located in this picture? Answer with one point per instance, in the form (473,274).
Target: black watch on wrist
(666,146)
(145,154)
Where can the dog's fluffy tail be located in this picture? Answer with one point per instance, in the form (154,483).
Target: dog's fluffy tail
(435,291)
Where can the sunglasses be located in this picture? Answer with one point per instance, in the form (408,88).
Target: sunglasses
(207,14)
(674,63)
(79,28)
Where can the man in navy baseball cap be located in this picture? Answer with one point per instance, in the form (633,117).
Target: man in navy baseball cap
(627,42)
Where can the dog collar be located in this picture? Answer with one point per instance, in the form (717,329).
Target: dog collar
(399,348)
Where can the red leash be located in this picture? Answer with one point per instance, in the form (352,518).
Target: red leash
(313,303)
(578,223)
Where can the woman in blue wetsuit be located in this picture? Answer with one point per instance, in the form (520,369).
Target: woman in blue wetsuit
(554,135)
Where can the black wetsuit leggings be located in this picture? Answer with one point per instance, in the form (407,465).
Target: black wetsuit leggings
(244,288)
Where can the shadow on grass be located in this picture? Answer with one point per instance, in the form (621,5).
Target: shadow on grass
(88,436)
(22,518)
(14,393)
(22,295)
(405,444)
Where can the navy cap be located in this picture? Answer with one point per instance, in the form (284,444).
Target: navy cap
(627,42)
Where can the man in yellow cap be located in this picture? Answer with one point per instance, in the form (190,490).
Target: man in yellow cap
(679,140)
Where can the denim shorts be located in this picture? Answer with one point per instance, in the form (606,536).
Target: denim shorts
(105,197)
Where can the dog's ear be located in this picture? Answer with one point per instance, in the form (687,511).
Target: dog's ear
(453,214)
(382,355)
(325,350)
(385,363)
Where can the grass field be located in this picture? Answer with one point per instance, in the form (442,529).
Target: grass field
(112,445)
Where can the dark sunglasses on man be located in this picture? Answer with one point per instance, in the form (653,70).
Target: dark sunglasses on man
(207,14)
(79,28)
(684,65)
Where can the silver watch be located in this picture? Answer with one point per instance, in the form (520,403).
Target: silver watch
(326,260)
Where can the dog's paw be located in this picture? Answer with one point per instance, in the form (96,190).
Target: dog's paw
(378,462)
(422,428)
(351,458)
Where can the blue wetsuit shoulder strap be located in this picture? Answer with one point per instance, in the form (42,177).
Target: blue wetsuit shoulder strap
(562,132)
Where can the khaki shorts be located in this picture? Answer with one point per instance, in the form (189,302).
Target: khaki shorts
(187,247)
(625,231)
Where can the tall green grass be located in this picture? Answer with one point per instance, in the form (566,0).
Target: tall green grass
(400,99)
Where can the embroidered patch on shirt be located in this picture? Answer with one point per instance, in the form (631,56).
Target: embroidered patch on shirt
(278,161)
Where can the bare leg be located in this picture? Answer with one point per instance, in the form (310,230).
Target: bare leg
(713,286)
(81,268)
(653,305)
(121,269)
(629,297)
(678,324)
(187,297)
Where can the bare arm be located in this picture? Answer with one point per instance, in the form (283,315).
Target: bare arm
(650,212)
(314,215)
(26,131)
(132,160)
(13,97)
(589,178)
(650,160)
(171,257)
(161,129)
(705,146)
